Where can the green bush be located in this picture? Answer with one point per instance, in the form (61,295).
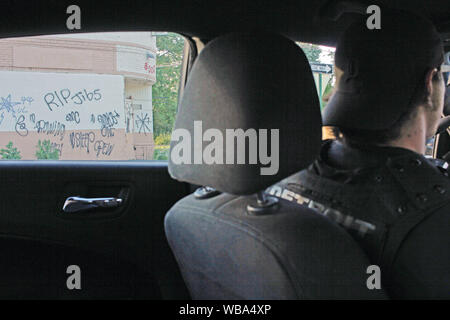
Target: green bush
(163,139)
(45,151)
(10,153)
(161,153)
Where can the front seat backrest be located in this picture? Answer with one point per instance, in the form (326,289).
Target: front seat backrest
(235,245)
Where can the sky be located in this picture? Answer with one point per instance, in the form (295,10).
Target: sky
(324,57)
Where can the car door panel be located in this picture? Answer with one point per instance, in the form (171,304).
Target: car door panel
(122,252)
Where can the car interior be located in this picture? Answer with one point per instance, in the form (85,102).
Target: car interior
(205,231)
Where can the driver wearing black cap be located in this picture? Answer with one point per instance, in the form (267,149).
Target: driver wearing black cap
(374,180)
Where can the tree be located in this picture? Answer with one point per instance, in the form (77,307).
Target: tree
(45,151)
(327,93)
(165,91)
(163,139)
(10,153)
(169,59)
(311,51)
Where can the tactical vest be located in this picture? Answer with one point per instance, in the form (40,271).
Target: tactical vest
(377,206)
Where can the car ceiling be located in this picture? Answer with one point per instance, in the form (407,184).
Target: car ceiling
(204,19)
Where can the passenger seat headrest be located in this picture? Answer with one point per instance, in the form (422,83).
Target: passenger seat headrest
(249,115)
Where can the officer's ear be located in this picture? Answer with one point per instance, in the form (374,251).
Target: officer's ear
(430,76)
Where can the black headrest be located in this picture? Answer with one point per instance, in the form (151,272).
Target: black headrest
(262,84)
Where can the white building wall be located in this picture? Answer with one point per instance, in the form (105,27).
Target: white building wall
(139,96)
(137,61)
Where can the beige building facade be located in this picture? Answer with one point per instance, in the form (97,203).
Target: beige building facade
(88,95)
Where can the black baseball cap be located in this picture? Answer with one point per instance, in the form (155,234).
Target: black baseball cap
(382,70)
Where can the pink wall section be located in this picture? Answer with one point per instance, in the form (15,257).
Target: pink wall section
(56,54)
(44,54)
(83,144)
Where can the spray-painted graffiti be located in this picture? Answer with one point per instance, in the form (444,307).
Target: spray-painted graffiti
(81,116)
(80,140)
(58,147)
(84,141)
(7,105)
(107,132)
(14,109)
(143,123)
(58,99)
(21,127)
(29,100)
(73,116)
(55,128)
(102,147)
(108,119)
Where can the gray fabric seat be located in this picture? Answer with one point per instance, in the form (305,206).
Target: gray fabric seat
(226,249)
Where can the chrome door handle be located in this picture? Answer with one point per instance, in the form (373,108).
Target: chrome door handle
(79,204)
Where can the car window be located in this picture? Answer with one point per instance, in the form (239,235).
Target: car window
(321,60)
(99,96)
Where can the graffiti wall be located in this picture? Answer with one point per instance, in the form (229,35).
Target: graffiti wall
(73,116)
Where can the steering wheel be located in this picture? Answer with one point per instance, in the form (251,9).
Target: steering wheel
(444,126)
(447,101)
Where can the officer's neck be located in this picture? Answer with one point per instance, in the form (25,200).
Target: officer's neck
(413,135)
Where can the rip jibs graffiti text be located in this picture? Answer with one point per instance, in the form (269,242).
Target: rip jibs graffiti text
(79,116)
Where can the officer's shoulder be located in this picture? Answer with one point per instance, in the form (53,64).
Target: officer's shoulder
(425,180)
(412,165)
(441,165)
